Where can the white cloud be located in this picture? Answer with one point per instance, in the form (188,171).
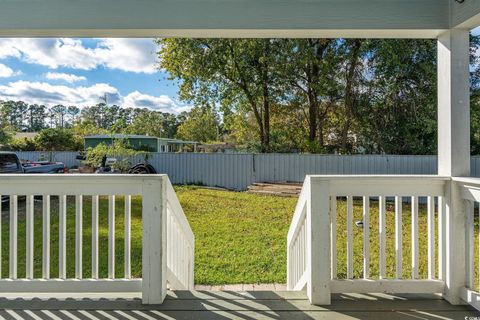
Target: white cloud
(49,95)
(70,78)
(5,72)
(162,102)
(134,55)
(131,55)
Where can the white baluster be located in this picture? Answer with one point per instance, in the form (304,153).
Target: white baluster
(366,237)
(382,236)
(333,231)
(46,237)
(470,241)
(95,237)
(431,236)
(78,236)
(398,237)
(414,237)
(127,225)
(111,237)
(29,237)
(441,238)
(13,236)
(62,229)
(349,237)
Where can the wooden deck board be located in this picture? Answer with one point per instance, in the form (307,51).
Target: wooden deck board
(231,305)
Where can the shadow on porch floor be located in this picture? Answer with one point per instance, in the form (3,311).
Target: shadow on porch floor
(230,305)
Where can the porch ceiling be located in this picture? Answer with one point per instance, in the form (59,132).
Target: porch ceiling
(233,18)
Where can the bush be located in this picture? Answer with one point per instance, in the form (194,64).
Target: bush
(119,150)
(57,139)
(23,144)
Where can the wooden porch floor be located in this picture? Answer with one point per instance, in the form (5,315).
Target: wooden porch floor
(230,305)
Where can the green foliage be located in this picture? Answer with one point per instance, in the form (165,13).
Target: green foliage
(23,144)
(5,137)
(155,124)
(201,125)
(313,95)
(119,149)
(238,74)
(56,139)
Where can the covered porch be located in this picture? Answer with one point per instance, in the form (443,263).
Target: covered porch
(316,290)
(233,305)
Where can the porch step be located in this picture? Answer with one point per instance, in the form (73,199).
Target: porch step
(243,287)
(282,189)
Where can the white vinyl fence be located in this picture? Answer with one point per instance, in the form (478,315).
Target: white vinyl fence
(238,171)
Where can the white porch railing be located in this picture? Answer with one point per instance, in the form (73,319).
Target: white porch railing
(165,233)
(314,237)
(469,190)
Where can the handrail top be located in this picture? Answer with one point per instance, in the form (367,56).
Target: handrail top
(467,180)
(82,176)
(377,176)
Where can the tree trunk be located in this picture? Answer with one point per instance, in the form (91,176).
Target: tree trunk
(349,93)
(312,114)
(266,98)
(321,141)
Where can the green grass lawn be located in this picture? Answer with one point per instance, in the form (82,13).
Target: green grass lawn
(240,237)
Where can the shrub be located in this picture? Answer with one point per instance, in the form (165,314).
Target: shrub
(119,150)
(23,144)
(56,139)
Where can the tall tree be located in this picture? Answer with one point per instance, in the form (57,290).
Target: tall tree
(307,70)
(59,111)
(73,112)
(236,73)
(398,114)
(202,125)
(36,117)
(353,75)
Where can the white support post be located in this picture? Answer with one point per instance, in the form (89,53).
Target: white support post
(453,103)
(318,242)
(454,150)
(154,244)
(455,244)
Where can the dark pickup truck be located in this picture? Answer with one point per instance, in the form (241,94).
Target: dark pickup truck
(10,163)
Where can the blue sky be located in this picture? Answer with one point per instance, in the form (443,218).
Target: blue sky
(80,71)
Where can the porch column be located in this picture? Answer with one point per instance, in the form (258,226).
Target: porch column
(453,150)
(453,103)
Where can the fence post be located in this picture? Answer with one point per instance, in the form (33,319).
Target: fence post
(154,263)
(318,242)
(455,243)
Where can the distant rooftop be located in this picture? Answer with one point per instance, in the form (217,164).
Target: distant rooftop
(27,135)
